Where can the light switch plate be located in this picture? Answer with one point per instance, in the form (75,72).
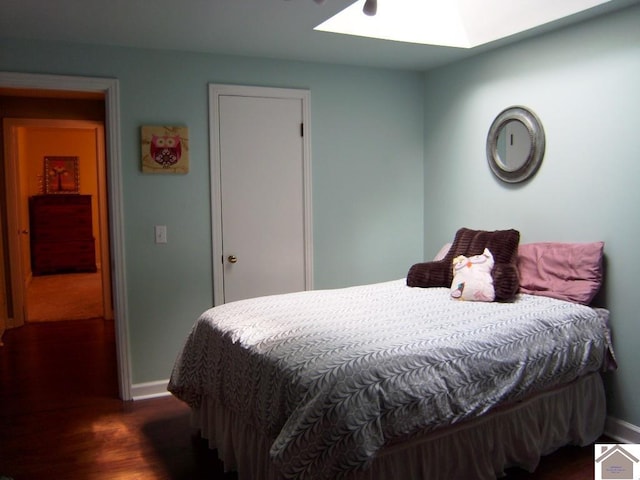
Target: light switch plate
(161,233)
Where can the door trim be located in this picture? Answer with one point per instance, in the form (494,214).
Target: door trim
(12,176)
(215,92)
(110,87)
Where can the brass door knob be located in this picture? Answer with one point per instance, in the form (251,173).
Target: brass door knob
(232,259)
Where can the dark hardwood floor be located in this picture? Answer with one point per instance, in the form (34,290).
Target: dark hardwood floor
(60,417)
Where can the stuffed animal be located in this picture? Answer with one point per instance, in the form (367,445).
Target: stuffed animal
(472,277)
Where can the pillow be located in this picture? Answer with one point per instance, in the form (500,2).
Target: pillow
(503,244)
(472,277)
(567,271)
(442,252)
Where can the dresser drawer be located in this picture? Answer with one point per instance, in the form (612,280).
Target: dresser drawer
(52,230)
(60,201)
(58,257)
(60,217)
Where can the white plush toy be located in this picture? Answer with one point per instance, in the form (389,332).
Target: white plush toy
(472,278)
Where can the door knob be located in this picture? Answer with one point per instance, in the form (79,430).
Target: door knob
(232,259)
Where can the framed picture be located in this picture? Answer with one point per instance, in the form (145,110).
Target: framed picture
(165,149)
(61,175)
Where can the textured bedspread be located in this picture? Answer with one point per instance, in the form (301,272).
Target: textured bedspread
(332,375)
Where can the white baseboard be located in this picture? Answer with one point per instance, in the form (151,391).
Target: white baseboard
(621,431)
(142,391)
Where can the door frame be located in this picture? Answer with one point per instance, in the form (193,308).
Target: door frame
(19,272)
(215,92)
(110,88)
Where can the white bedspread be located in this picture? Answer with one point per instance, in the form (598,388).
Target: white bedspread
(332,375)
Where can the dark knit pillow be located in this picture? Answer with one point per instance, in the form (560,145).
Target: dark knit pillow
(503,245)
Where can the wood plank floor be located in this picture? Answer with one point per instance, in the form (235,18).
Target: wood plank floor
(60,417)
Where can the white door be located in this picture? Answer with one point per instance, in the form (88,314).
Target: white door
(262,198)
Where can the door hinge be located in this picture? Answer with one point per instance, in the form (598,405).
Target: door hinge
(302,129)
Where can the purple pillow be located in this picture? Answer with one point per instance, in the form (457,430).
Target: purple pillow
(567,271)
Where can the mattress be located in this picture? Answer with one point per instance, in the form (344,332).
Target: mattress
(330,377)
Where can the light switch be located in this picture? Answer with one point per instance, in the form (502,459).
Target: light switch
(161,233)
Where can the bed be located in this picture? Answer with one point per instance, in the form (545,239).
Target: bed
(392,381)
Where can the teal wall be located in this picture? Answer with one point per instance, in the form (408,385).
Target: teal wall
(367,166)
(583,82)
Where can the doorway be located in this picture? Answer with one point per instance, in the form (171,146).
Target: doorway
(64,290)
(56,89)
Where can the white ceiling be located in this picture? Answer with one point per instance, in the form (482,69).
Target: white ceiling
(281,29)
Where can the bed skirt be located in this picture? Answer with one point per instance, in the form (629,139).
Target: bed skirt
(482,448)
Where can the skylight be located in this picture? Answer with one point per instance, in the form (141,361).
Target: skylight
(451,23)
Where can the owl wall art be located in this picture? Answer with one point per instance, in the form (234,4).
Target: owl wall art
(165,149)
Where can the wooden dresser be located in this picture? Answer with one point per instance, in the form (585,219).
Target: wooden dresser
(61,234)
